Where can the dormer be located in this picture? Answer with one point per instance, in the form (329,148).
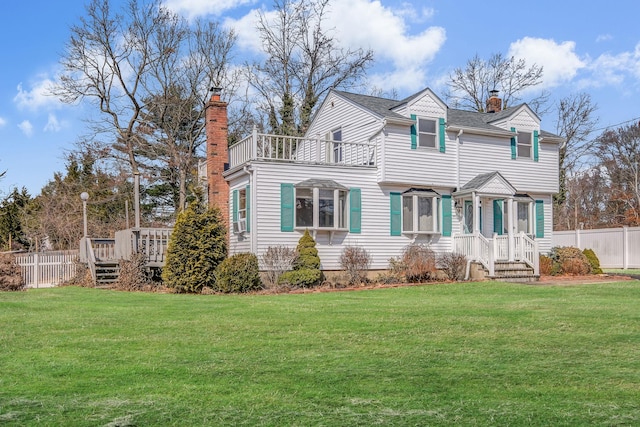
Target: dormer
(429,114)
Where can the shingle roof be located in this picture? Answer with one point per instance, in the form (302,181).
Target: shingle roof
(480,180)
(383,107)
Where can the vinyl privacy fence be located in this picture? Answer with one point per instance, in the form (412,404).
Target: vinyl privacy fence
(47,269)
(615,247)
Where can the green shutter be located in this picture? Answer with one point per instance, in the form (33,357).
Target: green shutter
(355,210)
(442,135)
(414,133)
(446,215)
(513,145)
(539,218)
(248,202)
(235,206)
(497,217)
(396,214)
(286,207)
(535,145)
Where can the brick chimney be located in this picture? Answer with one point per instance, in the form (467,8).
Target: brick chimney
(217,153)
(494,104)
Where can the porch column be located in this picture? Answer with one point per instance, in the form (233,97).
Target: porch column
(476,213)
(510,228)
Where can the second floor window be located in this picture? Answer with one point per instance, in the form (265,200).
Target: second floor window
(336,136)
(524,144)
(427,133)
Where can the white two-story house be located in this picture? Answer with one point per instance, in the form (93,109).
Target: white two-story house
(382,174)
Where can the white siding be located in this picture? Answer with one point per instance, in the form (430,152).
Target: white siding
(482,154)
(422,166)
(375,235)
(357,124)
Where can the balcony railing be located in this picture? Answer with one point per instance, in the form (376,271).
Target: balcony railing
(281,148)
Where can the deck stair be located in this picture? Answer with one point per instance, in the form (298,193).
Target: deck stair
(107,273)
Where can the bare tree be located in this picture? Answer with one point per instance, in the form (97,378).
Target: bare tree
(619,153)
(132,65)
(303,63)
(469,87)
(575,122)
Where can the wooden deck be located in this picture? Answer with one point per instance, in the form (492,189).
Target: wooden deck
(103,255)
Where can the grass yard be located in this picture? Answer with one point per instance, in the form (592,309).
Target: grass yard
(622,270)
(447,354)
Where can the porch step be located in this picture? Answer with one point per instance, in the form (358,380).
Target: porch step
(514,272)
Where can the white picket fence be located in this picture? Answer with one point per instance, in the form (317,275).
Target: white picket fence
(47,269)
(615,247)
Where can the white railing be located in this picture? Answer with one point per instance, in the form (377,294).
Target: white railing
(526,250)
(281,148)
(46,269)
(501,247)
(476,247)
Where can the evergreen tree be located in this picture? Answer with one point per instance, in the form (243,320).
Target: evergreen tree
(197,246)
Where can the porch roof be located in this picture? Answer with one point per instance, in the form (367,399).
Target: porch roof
(492,183)
(320,183)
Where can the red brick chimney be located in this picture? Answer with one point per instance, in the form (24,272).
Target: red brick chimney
(217,153)
(494,104)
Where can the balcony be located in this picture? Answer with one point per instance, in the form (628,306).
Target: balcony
(291,149)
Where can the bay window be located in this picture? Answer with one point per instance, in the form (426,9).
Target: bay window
(420,211)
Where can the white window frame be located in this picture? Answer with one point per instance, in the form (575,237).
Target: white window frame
(240,226)
(414,199)
(340,209)
(427,135)
(337,146)
(526,207)
(524,145)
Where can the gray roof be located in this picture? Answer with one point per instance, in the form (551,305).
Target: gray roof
(321,183)
(383,107)
(380,106)
(479,180)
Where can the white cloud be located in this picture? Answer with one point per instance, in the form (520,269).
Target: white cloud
(53,125)
(608,69)
(559,61)
(196,8)
(26,127)
(38,96)
(604,38)
(3,122)
(385,32)
(382,29)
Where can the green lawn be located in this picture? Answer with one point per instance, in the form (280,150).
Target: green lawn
(447,354)
(622,270)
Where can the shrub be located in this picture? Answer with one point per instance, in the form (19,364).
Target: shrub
(10,275)
(302,278)
(133,274)
(238,273)
(197,246)
(306,268)
(276,260)
(569,260)
(356,261)
(546,265)
(593,261)
(417,264)
(307,253)
(454,265)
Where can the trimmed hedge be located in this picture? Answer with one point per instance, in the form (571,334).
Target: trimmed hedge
(238,273)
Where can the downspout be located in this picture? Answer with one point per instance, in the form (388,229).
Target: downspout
(460,132)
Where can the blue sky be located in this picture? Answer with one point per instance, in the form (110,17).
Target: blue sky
(582,47)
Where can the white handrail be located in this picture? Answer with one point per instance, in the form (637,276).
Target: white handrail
(259,146)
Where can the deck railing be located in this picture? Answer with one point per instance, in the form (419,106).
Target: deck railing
(281,148)
(152,242)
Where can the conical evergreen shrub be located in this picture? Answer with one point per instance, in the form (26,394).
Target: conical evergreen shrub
(306,269)
(197,246)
